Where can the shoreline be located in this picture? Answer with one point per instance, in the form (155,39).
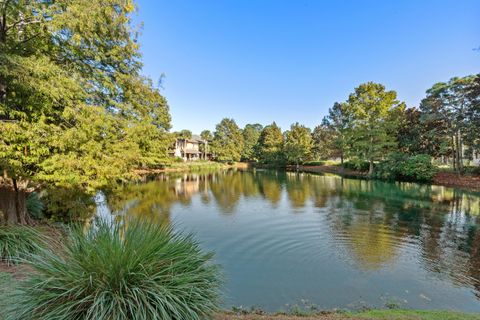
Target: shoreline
(446,179)
(377,314)
(11,275)
(442,178)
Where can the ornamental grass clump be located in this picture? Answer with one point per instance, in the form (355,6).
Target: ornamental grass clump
(17,241)
(141,271)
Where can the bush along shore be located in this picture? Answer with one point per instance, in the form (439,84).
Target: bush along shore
(130,270)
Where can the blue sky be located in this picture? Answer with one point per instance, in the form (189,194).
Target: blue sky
(288,61)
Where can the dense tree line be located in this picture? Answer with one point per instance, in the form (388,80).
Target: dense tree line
(371,126)
(75,112)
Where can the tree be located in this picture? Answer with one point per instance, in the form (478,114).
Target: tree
(184,134)
(472,136)
(338,123)
(227,141)
(270,145)
(322,139)
(74,109)
(446,105)
(206,135)
(298,143)
(375,116)
(251,134)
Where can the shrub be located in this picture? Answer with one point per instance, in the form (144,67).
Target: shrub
(35,205)
(474,170)
(142,271)
(400,166)
(16,242)
(357,164)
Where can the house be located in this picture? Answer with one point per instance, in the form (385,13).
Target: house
(191,149)
(476,158)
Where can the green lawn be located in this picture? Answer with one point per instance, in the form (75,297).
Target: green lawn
(416,315)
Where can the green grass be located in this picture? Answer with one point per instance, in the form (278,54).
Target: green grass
(415,315)
(197,165)
(7,287)
(18,241)
(142,271)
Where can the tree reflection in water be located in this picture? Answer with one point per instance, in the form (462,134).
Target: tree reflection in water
(370,221)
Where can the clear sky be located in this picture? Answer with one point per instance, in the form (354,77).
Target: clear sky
(288,61)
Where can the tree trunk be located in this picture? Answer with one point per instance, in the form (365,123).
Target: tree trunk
(459,151)
(370,170)
(454,155)
(341,163)
(20,204)
(13,206)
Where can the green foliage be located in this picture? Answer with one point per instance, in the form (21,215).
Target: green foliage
(336,126)
(298,144)
(136,271)
(183,134)
(400,166)
(16,242)
(451,110)
(357,165)
(75,112)
(474,170)
(323,139)
(375,118)
(206,135)
(251,134)
(35,205)
(227,144)
(270,145)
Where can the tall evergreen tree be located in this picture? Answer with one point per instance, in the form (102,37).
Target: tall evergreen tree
(251,134)
(375,115)
(446,106)
(270,145)
(227,141)
(338,122)
(298,144)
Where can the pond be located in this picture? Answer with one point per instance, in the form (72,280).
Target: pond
(288,238)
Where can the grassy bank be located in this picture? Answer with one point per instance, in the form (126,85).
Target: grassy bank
(366,315)
(193,166)
(9,280)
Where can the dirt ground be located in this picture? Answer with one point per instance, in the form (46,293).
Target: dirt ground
(453,180)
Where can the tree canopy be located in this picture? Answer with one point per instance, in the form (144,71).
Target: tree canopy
(227,143)
(298,144)
(251,134)
(270,145)
(75,112)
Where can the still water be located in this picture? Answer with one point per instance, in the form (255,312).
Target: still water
(286,238)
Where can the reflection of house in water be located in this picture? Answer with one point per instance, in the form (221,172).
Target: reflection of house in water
(191,149)
(187,186)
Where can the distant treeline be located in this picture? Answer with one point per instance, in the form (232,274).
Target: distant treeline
(369,127)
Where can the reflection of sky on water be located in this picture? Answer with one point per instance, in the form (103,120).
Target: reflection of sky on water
(283,237)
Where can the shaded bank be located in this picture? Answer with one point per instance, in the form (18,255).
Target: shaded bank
(448,179)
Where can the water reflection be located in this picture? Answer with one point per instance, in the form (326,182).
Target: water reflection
(369,226)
